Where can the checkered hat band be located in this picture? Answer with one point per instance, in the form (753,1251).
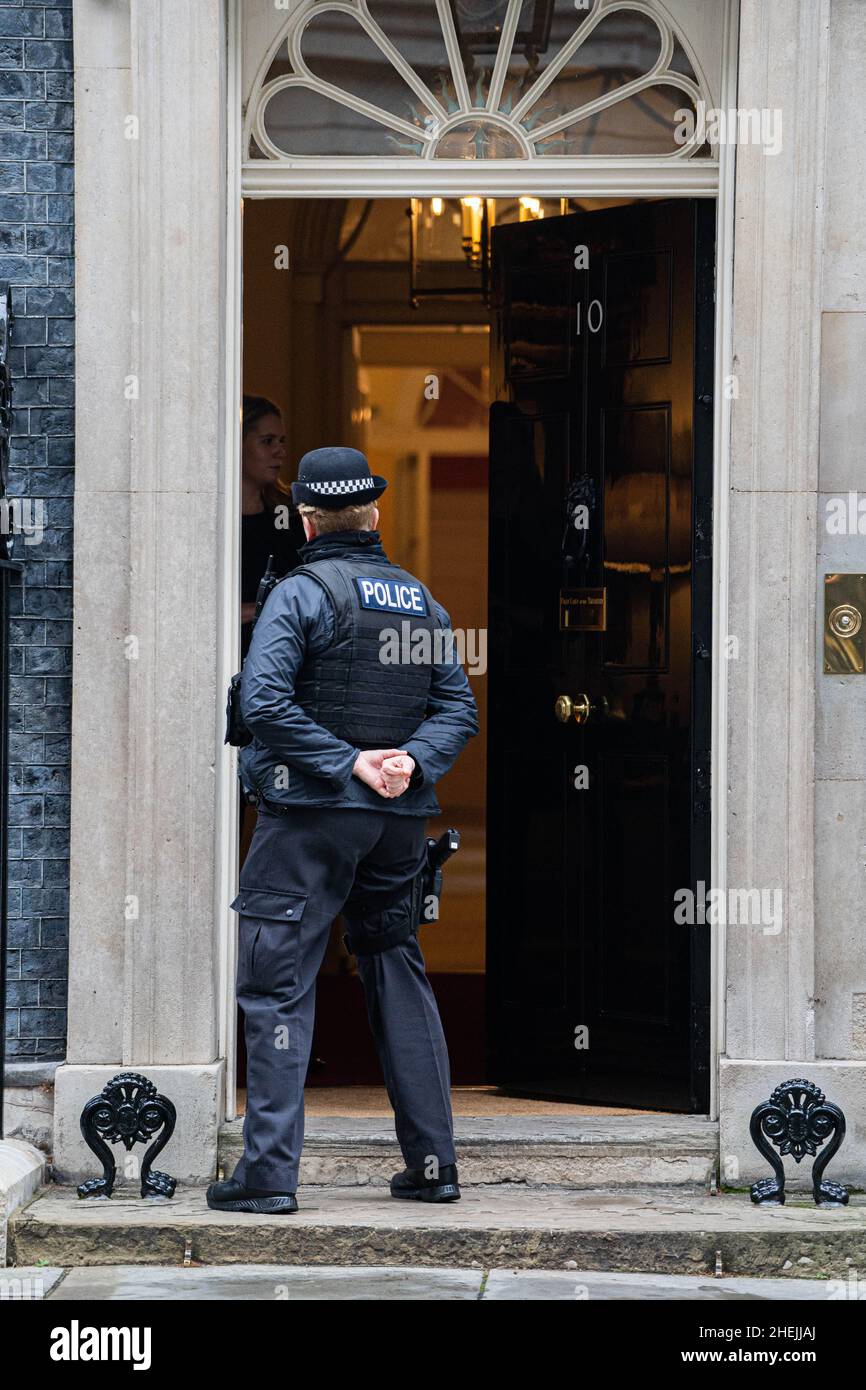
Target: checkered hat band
(344,485)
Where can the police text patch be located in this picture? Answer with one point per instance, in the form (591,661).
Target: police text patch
(391,596)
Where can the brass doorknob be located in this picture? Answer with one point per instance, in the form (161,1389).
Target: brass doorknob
(582,708)
(577,709)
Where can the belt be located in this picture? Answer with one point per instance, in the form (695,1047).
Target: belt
(272,807)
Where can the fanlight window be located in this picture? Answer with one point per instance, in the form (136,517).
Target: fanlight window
(476,79)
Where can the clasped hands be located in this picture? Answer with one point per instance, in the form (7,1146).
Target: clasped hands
(386,770)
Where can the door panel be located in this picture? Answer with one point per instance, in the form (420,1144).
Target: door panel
(600,484)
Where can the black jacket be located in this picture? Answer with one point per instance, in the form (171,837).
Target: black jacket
(293,760)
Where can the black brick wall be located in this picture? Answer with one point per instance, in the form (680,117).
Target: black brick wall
(36,257)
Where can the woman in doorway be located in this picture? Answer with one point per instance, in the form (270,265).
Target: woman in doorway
(269,523)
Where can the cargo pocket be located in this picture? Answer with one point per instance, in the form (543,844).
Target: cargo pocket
(268,940)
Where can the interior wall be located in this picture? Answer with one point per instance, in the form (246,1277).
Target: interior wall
(289,344)
(437,527)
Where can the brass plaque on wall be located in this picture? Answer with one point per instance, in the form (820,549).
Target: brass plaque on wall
(844,624)
(582,610)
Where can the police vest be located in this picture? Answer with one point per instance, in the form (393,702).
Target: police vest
(356,688)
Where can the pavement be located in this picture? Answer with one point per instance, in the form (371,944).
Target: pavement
(382,1283)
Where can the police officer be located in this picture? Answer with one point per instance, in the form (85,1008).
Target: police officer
(357,707)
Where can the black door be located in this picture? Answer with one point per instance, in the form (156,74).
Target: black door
(600,589)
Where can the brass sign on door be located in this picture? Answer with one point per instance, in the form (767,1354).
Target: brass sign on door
(582,610)
(844,624)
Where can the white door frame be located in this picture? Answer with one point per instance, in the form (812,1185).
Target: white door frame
(399,178)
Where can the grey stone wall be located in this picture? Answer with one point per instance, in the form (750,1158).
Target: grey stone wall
(36,257)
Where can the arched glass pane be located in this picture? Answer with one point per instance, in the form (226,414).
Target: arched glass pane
(536,45)
(280,63)
(482,79)
(303,122)
(479,26)
(413,28)
(624,46)
(340,51)
(642,124)
(680,63)
(479,140)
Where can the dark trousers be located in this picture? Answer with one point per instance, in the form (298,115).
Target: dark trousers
(302,869)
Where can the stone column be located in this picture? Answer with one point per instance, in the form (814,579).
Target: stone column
(840,761)
(784,64)
(150,216)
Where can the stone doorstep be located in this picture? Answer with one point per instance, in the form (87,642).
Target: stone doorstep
(578,1152)
(649,1230)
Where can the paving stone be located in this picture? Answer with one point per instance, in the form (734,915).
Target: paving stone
(590,1285)
(288,1283)
(270,1283)
(29,1282)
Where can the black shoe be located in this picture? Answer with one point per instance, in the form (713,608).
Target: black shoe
(412,1186)
(233,1196)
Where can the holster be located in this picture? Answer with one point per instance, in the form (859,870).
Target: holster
(417,907)
(375,932)
(237,733)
